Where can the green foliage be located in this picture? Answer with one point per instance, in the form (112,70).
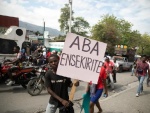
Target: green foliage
(80,26)
(109,29)
(60,38)
(114,31)
(144,45)
(64,18)
(37,33)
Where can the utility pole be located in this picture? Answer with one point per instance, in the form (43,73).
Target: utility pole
(43,32)
(70,2)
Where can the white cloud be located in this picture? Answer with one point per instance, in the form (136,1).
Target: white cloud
(134,11)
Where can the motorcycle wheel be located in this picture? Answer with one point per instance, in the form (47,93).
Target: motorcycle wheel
(24,86)
(34,88)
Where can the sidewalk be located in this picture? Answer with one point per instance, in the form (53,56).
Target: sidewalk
(126,101)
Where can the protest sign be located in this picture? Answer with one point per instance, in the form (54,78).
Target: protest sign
(81,58)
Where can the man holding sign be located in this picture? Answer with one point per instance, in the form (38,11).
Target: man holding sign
(57,87)
(81,59)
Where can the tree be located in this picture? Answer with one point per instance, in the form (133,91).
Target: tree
(60,38)
(80,26)
(144,44)
(37,33)
(112,31)
(64,18)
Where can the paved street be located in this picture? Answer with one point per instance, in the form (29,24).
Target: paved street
(16,99)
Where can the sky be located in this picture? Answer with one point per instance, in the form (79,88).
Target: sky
(35,11)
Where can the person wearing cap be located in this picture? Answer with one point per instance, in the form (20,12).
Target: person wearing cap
(109,70)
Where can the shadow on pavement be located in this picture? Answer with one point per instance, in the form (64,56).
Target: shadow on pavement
(13,89)
(79,88)
(146,93)
(118,88)
(15,111)
(43,93)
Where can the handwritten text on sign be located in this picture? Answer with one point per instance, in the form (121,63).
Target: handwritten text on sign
(81,58)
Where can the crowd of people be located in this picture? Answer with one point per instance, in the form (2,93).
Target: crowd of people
(57,85)
(36,57)
(39,54)
(109,69)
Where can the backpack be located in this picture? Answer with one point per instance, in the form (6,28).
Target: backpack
(140,68)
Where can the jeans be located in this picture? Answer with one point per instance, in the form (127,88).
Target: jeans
(141,80)
(147,79)
(51,108)
(111,80)
(133,71)
(114,76)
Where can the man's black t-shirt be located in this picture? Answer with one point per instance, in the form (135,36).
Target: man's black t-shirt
(59,85)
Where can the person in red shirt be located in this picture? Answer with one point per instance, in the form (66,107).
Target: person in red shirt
(142,68)
(101,84)
(48,54)
(109,70)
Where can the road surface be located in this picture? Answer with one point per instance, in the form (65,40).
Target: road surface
(15,99)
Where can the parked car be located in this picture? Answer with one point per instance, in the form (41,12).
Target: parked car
(123,62)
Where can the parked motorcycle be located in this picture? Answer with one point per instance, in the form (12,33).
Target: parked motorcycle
(21,75)
(36,84)
(3,70)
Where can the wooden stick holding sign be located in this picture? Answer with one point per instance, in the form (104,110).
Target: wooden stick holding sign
(73,90)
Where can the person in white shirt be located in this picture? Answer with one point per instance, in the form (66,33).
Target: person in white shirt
(44,53)
(116,66)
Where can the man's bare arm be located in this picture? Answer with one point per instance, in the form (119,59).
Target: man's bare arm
(64,102)
(54,94)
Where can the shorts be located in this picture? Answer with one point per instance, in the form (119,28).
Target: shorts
(97,95)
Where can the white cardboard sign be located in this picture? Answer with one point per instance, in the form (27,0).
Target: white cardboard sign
(81,58)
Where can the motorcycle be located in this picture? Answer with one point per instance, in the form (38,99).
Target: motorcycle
(36,84)
(21,75)
(3,70)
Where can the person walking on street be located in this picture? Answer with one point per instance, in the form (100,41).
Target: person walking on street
(57,87)
(95,95)
(148,77)
(115,69)
(142,69)
(109,70)
(134,68)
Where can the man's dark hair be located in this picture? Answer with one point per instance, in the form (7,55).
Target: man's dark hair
(54,55)
(18,47)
